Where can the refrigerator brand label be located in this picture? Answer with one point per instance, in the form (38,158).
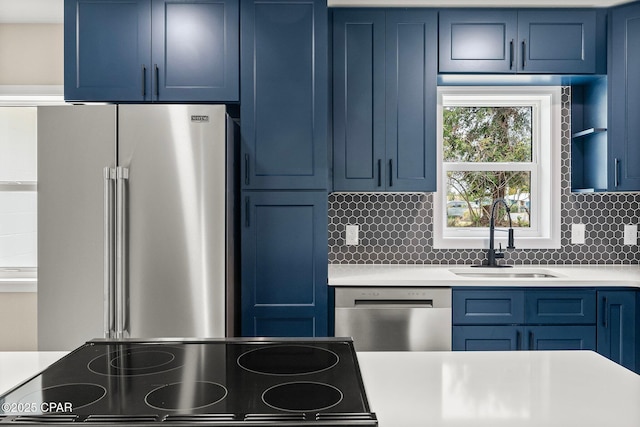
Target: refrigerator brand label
(199,119)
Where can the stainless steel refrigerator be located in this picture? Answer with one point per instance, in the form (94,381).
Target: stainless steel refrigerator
(136,226)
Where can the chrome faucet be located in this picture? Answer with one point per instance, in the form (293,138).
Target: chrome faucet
(492,255)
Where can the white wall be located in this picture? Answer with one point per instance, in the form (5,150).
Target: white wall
(31,54)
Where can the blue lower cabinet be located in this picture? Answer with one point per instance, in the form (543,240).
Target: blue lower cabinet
(617,327)
(488,307)
(560,307)
(560,337)
(486,338)
(503,319)
(284,264)
(518,337)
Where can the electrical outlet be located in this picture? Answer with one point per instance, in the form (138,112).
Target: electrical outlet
(578,232)
(351,234)
(630,234)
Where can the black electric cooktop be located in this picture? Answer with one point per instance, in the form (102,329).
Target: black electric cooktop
(213,382)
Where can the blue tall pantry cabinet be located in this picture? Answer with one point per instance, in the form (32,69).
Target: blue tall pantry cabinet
(284,264)
(624,98)
(284,176)
(138,51)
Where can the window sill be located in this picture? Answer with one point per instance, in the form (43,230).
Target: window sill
(476,243)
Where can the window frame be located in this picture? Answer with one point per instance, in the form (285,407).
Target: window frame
(22,96)
(544,230)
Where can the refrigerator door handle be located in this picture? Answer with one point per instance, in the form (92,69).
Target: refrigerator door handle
(109,243)
(122,174)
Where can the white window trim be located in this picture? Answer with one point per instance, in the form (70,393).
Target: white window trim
(544,232)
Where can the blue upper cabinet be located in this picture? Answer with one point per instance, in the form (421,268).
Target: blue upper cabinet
(107,52)
(478,41)
(284,99)
(138,51)
(556,41)
(195,50)
(624,99)
(358,100)
(384,100)
(411,81)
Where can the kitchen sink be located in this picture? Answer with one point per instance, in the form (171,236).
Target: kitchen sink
(505,273)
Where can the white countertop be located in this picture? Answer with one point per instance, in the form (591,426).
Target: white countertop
(514,389)
(545,389)
(442,275)
(18,366)
(456,389)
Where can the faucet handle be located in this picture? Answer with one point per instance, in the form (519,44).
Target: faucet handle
(499,254)
(510,244)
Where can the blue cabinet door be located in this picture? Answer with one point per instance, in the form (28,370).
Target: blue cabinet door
(359,152)
(284,99)
(107,50)
(143,50)
(624,99)
(195,50)
(560,337)
(478,41)
(617,327)
(284,264)
(552,41)
(560,307)
(487,307)
(486,338)
(516,337)
(411,81)
(557,42)
(384,100)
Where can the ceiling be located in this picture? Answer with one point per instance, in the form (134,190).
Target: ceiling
(51,11)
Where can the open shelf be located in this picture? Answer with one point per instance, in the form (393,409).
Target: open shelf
(589,145)
(587,132)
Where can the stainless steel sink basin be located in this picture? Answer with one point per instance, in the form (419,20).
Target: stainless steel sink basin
(504,273)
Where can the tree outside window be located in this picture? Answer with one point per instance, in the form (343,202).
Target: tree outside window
(479,144)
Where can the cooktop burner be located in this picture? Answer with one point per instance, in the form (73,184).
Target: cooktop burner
(288,360)
(302,397)
(262,382)
(77,395)
(137,361)
(170,397)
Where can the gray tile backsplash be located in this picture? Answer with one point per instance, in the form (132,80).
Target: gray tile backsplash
(398,227)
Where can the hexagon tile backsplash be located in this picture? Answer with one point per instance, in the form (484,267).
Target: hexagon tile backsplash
(397,228)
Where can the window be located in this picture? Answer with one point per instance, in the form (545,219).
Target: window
(498,143)
(18,173)
(18,209)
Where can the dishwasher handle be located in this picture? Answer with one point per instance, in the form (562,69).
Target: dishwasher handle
(393,303)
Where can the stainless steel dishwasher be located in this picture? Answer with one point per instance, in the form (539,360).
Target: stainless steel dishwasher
(394,319)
